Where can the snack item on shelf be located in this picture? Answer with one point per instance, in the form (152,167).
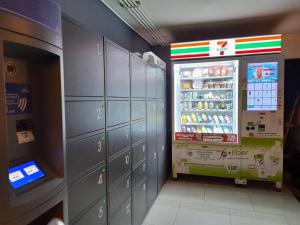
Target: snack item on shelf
(229,95)
(186,85)
(197,84)
(200,105)
(210,71)
(227,119)
(217,71)
(217,84)
(216,119)
(194,129)
(184,119)
(199,130)
(204,130)
(197,72)
(204,72)
(223,84)
(222,96)
(229,70)
(186,73)
(210,119)
(205,85)
(189,118)
(205,105)
(199,119)
(222,106)
(229,106)
(204,117)
(194,119)
(226,130)
(183,128)
(188,129)
(229,84)
(221,119)
(195,95)
(210,84)
(211,105)
(209,130)
(223,71)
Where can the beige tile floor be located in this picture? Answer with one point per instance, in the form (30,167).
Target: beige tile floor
(214,201)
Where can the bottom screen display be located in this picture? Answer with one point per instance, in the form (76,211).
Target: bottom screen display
(24,174)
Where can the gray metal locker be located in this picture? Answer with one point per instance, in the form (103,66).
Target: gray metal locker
(84,117)
(150,81)
(138,75)
(84,154)
(117,70)
(151,153)
(139,206)
(83,61)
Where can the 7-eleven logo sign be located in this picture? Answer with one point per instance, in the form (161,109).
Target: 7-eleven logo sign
(224,47)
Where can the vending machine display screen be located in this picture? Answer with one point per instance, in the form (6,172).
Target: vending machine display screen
(24,174)
(262,86)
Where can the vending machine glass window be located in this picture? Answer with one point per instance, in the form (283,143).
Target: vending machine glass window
(206,98)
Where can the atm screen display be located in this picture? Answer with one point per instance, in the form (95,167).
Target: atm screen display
(262,85)
(24,174)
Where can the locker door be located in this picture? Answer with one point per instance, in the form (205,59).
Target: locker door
(160,83)
(150,81)
(151,153)
(117,70)
(83,61)
(138,73)
(161,144)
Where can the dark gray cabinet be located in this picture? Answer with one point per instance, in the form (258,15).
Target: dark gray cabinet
(160,83)
(83,61)
(118,112)
(118,139)
(138,109)
(117,70)
(138,75)
(139,174)
(84,154)
(150,81)
(96,215)
(119,166)
(138,154)
(118,194)
(139,205)
(138,131)
(123,214)
(83,117)
(84,192)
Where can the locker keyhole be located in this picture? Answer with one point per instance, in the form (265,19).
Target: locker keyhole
(100,179)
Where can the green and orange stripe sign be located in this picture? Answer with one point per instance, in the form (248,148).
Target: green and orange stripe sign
(226,47)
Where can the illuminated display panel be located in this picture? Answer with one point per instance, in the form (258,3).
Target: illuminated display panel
(262,86)
(24,174)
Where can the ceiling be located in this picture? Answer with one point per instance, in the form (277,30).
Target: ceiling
(187,20)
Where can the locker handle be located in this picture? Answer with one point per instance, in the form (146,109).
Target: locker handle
(144,187)
(100,180)
(100,212)
(127,183)
(144,148)
(99,146)
(127,159)
(163,148)
(154,156)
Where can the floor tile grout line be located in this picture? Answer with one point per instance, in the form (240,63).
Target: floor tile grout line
(177,213)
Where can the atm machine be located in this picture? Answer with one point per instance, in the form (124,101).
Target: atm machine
(32,144)
(228,97)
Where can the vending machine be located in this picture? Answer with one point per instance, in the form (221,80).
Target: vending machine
(228,108)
